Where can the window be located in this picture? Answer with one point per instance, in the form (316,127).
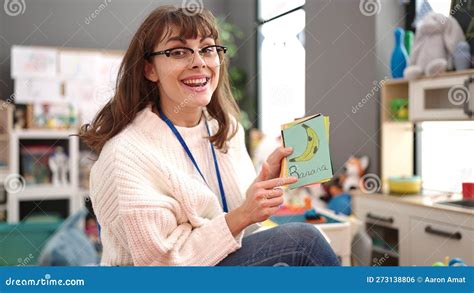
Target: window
(445,153)
(281,64)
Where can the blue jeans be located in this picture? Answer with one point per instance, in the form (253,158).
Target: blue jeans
(292,244)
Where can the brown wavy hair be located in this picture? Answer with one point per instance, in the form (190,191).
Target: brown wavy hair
(134,91)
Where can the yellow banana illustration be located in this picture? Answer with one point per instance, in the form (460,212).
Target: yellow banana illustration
(312,145)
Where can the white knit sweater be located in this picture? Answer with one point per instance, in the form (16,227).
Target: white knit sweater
(153,206)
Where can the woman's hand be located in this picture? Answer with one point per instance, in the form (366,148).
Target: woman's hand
(274,161)
(263,199)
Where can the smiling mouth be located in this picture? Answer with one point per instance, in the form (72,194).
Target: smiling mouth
(199,82)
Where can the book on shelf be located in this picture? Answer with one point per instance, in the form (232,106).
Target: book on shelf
(34,164)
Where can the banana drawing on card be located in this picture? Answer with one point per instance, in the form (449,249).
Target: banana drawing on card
(310,161)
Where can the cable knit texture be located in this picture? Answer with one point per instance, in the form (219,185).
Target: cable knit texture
(153,206)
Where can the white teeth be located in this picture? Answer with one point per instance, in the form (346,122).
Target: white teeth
(195,81)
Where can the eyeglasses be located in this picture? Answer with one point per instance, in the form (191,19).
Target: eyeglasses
(212,55)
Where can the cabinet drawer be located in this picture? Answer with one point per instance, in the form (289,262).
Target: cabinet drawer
(431,242)
(376,213)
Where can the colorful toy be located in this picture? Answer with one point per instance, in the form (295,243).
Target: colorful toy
(355,169)
(399,109)
(435,41)
(59,165)
(455,262)
(399,59)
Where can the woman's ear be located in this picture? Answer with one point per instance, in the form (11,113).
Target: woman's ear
(150,72)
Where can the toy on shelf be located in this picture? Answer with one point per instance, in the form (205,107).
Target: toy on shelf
(455,262)
(59,165)
(409,38)
(462,56)
(435,41)
(399,59)
(399,109)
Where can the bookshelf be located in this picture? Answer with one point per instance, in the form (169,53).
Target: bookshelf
(397,136)
(51,102)
(42,192)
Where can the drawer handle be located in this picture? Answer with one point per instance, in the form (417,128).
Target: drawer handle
(455,236)
(381,219)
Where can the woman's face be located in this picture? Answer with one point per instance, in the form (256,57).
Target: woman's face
(184,84)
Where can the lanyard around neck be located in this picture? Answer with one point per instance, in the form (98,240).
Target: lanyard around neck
(190,155)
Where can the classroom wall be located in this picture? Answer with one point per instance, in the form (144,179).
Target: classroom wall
(340,71)
(68,23)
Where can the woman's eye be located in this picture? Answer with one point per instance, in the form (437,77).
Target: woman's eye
(178,53)
(209,50)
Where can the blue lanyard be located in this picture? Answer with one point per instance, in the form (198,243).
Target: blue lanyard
(190,155)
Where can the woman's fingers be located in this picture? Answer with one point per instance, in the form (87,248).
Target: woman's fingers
(270,193)
(277,182)
(263,175)
(274,202)
(278,154)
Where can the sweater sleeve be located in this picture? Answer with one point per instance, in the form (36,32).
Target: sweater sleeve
(156,232)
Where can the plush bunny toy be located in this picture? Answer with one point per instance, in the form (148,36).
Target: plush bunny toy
(435,42)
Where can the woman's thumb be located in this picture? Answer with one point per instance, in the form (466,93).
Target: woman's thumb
(264,172)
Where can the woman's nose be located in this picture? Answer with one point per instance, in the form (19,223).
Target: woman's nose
(197,60)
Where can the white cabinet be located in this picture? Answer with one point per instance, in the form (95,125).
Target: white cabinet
(441,98)
(387,227)
(432,241)
(411,231)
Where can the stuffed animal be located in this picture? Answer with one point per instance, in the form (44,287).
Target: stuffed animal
(355,169)
(435,42)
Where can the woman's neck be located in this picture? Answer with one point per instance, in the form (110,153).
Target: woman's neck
(188,117)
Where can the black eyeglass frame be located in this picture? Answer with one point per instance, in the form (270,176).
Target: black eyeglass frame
(167,52)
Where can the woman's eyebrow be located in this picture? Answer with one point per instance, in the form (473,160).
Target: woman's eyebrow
(206,37)
(183,40)
(176,38)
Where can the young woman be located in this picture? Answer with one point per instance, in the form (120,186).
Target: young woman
(173,184)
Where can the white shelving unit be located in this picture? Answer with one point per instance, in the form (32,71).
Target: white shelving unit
(442,98)
(6,120)
(45,192)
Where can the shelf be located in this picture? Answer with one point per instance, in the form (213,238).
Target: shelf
(44,133)
(444,74)
(396,82)
(45,191)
